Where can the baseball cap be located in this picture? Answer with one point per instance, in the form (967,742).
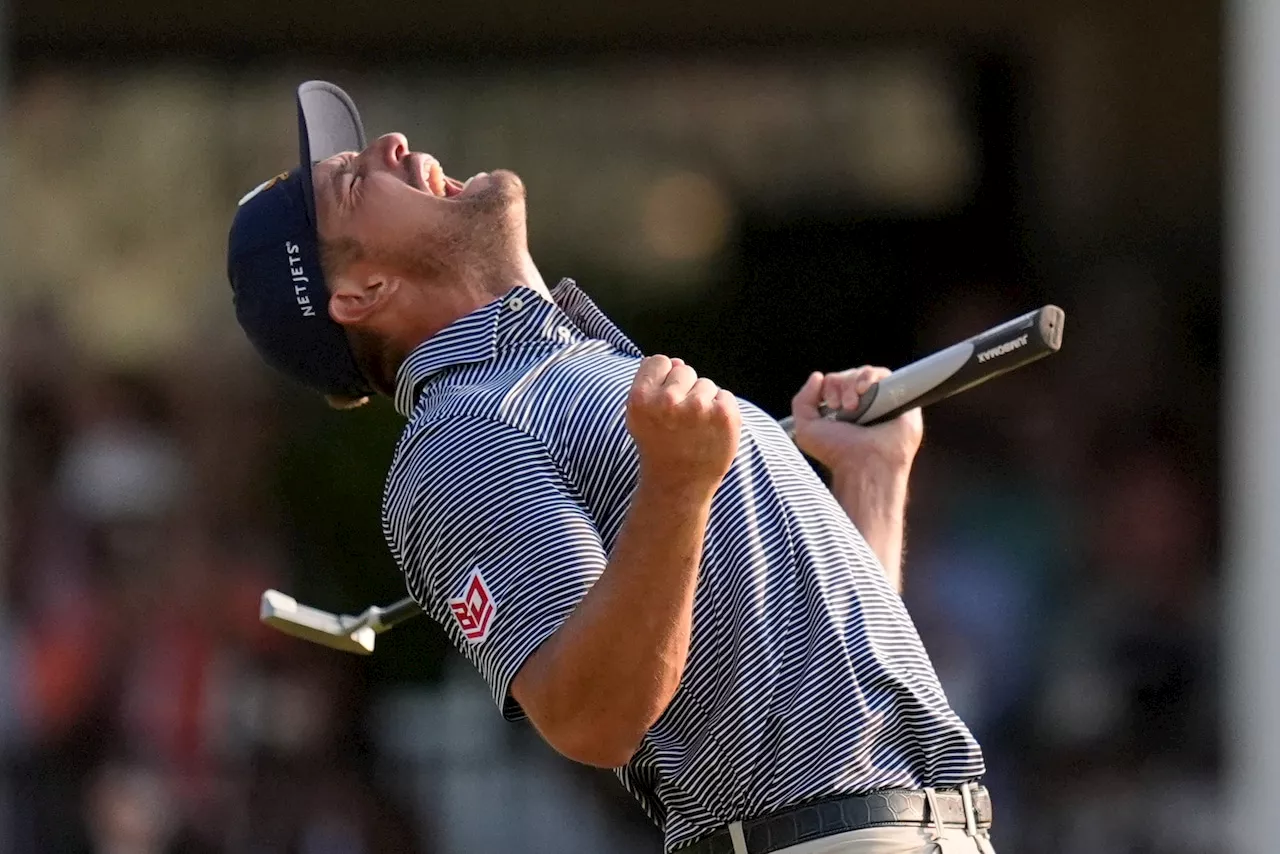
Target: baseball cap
(273,256)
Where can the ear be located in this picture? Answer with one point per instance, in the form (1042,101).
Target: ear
(357,297)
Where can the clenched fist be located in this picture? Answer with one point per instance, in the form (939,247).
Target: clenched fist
(685,427)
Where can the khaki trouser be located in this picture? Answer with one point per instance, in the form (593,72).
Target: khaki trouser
(898,840)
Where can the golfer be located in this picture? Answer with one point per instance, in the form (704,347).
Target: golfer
(639,562)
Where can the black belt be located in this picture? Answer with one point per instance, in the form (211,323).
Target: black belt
(841,815)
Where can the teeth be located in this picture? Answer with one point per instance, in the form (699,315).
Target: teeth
(436,178)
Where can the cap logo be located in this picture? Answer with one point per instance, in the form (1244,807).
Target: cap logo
(265,185)
(300,280)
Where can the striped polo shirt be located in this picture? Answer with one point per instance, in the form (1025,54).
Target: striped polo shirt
(805,676)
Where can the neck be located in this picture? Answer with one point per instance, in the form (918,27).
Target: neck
(527,276)
(437,308)
(497,281)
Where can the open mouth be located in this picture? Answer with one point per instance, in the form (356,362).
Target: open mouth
(426,174)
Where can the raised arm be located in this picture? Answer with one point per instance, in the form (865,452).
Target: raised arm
(870,466)
(597,685)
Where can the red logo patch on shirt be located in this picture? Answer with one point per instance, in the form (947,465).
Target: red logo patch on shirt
(474,610)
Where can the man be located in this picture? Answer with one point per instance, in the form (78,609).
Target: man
(633,558)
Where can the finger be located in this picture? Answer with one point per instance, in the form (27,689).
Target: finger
(679,380)
(844,390)
(651,373)
(860,384)
(868,377)
(804,406)
(703,393)
(837,389)
(726,404)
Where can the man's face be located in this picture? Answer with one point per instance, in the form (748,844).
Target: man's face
(406,215)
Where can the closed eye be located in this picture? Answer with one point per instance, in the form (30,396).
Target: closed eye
(353,192)
(345,177)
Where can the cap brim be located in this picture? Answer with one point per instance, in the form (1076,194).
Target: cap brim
(328,124)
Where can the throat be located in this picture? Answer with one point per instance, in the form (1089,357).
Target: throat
(525,275)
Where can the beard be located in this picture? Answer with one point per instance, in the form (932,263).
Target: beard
(474,241)
(478,243)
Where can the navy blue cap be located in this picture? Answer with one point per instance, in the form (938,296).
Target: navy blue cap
(273,256)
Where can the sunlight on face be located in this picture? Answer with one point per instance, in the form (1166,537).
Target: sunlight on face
(401,209)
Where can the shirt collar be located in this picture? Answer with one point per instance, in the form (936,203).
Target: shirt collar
(521,314)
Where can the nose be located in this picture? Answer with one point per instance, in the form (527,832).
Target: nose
(391,148)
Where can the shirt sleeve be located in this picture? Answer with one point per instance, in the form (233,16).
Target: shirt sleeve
(494,542)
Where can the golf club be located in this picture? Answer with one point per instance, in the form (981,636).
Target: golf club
(962,366)
(342,632)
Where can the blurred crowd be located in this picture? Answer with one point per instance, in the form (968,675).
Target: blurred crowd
(1062,571)
(1061,568)
(147,711)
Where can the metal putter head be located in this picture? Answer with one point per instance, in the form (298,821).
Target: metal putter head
(345,633)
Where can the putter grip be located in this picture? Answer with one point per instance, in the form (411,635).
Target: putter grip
(961,366)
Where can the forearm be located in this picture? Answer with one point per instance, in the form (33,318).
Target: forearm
(874,496)
(597,685)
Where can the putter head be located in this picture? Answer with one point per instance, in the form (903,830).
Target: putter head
(286,614)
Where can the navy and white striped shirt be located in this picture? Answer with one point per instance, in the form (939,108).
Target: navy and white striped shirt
(805,677)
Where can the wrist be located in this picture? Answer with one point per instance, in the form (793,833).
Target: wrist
(679,487)
(872,475)
(874,496)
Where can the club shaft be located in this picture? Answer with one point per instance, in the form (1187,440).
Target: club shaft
(397,613)
(949,371)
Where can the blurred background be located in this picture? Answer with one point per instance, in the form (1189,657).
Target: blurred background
(763,189)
